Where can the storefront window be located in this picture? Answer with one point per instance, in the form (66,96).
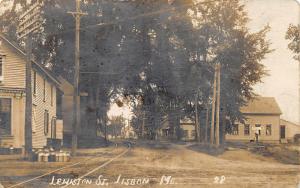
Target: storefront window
(5,116)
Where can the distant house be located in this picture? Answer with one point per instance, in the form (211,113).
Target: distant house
(46,125)
(262,117)
(291,130)
(187,130)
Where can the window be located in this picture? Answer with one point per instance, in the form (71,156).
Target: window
(34,118)
(235,129)
(53,128)
(46,122)
(258,129)
(268,130)
(51,93)
(1,67)
(247,129)
(44,90)
(34,83)
(5,116)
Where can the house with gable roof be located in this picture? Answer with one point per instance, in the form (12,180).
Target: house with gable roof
(46,118)
(262,116)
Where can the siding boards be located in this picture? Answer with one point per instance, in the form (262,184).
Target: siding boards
(15,77)
(39,137)
(263,120)
(14,69)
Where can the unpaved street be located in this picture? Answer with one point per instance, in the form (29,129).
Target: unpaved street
(166,166)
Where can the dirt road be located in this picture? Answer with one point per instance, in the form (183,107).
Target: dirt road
(176,166)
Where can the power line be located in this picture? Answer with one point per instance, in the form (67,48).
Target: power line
(130,18)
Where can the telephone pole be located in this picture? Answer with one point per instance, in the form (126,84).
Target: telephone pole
(197,127)
(212,128)
(29,23)
(76,106)
(28,103)
(218,106)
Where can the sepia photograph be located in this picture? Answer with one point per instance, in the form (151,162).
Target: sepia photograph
(150,93)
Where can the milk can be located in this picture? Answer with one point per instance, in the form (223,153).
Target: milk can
(46,157)
(34,155)
(52,157)
(56,156)
(60,156)
(40,156)
(67,158)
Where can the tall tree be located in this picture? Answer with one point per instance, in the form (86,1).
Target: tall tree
(162,52)
(293,35)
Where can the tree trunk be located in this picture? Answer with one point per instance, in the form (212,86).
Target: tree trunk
(218,106)
(96,106)
(206,124)
(176,119)
(105,128)
(143,125)
(223,127)
(197,122)
(212,128)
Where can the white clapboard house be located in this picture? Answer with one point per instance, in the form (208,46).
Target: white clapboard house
(46,123)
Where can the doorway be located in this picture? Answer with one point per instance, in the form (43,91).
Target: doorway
(5,116)
(282,132)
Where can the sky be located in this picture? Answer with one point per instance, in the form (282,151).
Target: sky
(283,81)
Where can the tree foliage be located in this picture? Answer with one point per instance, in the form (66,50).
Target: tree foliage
(158,52)
(293,35)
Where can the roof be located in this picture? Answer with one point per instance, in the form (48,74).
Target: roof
(65,86)
(261,105)
(187,121)
(38,66)
(288,123)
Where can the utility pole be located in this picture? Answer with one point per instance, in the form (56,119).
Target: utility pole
(218,106)
(76,106)
(212,128)
(29,23)
(28,103)
(197,127)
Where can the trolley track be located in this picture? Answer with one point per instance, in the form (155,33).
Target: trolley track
(84,164)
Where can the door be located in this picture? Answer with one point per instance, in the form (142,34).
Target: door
(5,116)
(282,132)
